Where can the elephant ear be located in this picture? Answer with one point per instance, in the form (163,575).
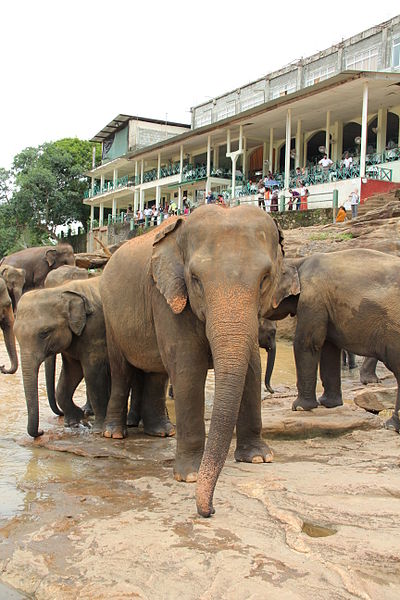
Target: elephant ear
(288,284)
(280,234)
(51,256)
(167,266)
(3,271)
(78,307)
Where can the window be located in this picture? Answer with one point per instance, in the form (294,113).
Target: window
(203,119)
(396,51)
(364,60)
(319,75)
(282,90)
(254,100)
(226,111)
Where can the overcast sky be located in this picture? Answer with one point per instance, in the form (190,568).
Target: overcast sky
(68,68)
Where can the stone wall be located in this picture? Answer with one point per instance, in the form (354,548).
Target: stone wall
(303,218)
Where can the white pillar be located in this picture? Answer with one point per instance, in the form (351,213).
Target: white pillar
(364,129)
(93,157)
(91,216)
(141,171)
(158,196)
(159,165)
(180,198)
(234,159)
(115,177)
(101,183)
(240,137)
(209,156)
(92,187)
(287,147)
(381,133)
(244,165)
(101,215)
(114,208)
(136,172)
(136,201)
(228,141)
(181,159)
(264,158)
(298,144)
(215,157)
(271,150)
(327,133)
(141,200)
(339,140)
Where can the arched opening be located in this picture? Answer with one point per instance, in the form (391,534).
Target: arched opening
(392,130)
(351,131)
(316,141)
(282,155)
(371,137)
(256,163)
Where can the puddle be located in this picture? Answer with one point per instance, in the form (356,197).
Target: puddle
(313,530)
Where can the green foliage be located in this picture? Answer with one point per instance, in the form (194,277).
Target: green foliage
(44,189)
(331,236)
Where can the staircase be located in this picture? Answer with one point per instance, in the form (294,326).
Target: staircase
(378,201)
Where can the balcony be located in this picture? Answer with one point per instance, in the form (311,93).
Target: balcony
(111,186)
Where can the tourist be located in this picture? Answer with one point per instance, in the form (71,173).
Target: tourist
(221,201)
(341,215)
(267,200)
(129,214)
(260,195)
(303,197)
(347,161)
(139,217)
(298,176)
(325,162)
(210,198)
(354,200)
(173,208)
(294,197)
(154,214)
(275,200)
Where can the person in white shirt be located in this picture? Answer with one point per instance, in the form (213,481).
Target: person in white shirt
(354,200)
(347,161)
(325,162)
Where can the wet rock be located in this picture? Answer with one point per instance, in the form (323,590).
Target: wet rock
(283,422)
(376,399)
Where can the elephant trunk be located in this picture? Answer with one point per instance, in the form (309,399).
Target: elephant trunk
(270,367)
(7,326)
(16,298)
(30,371)
(232,334)
(50,371)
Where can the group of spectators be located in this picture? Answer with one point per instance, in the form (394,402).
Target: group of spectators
(152,213)
(268,194)
(298,198)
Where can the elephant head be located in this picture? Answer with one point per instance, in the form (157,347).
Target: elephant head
(7,325)
(226,264)
(46,322)
(15,281)
(61,254)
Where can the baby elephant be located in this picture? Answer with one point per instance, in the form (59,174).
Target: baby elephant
(350,300)
(67,319)
(63,274)
(266,340)
(7,326)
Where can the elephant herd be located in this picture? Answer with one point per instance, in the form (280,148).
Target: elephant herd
(197,293)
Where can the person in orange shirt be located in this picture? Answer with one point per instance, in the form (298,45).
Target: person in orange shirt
(341,215)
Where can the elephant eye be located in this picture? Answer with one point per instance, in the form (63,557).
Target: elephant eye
(45,333)
(264,280)
(196,282)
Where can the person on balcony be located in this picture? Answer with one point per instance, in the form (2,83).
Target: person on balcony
(298,176)
(347,162)
(325,163)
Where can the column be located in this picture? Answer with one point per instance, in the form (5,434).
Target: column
(115,177)
(271,150)
(339,140)
(305,151)
(114,208)
(92,186)
(364,129)
(93,157)
(264,158)
(381,133)
(209,156)
(136,172)
(287,147)
(234,159)
(158,196)
(228,141)
(91,216)
(216,157)
(181,160)
(240,137)
(101,215)
(141,171)
(141,206)
(180,198)
(136,201)
(298,160)
(159,166)
(101,183)
(327,133)
(244,159)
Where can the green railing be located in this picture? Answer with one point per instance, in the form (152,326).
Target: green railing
(110,186)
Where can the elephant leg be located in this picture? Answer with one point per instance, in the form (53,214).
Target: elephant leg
(98,384)
(309,339)
(250,447)
(135,407)
(154,411)
(344,358)
(87,408)
(352,360)
(70,377)
(368,371)
(329,369)
(394,421)
(121,381)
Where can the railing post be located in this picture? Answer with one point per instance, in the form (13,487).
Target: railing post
(161,217)
(109,219)
(146,221)
(132,225)
(282,203)
(335,204)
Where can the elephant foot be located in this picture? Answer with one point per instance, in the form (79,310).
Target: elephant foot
(163,428)
(133,420)
(114,431)
(330,401)
(366,378)
(74,418)
(393,423)
(256,452)
(185,469)
(88,410)
(97,426)
(304,404)
(269,389)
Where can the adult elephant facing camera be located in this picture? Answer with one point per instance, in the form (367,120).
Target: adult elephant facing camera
(189,296)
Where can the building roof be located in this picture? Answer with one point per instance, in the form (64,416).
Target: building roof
(121,120)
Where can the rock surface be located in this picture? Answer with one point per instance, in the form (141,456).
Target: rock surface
(376,398)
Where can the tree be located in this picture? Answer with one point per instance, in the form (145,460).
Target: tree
(44,189)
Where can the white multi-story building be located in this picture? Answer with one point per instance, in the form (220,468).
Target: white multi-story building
(345,98)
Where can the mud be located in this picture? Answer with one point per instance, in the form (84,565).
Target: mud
(88,518)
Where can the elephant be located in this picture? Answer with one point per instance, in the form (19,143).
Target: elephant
(39,261)
(349,359)
(15,281)
(66,319)
(357,310)
(180,299)
(65,273)
(266,340)
(7,326)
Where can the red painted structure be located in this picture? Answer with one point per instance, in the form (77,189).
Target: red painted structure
(373,186)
